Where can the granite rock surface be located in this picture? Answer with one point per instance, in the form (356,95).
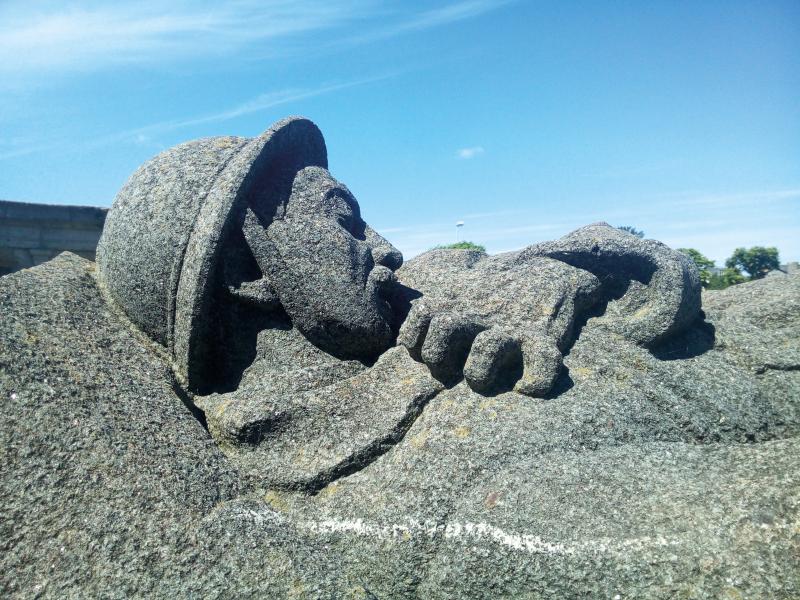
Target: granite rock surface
(164,238)
(329,269)
(656,290)
(500,322)
(505,321)
(657,466)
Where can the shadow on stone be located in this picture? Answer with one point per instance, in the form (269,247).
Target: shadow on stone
(400,300)
(196,412)
(564,383)
(695,341)
(233,354)
(256,432)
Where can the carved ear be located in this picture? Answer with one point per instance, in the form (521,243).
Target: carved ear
(255,234)
(258,248)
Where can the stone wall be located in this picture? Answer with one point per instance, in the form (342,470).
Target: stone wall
(31,234)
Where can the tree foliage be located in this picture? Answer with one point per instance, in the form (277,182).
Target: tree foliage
(704,264)
(462,246)
(632,230)
(728,277)
(756,261)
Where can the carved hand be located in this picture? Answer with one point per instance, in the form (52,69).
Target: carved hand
(504,320)
(498,322)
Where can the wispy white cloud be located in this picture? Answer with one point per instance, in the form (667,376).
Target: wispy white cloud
(714,206)
(714,223)
(456,11)
(260,103)
(443,15)
(89,35)
(722,200)
(147,134)
(270,100)
(471,152)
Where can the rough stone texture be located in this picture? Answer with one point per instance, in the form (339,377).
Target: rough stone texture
(329,269)
(31,234)
(103,467)
(563,421)
(657,289)
(140,254)
(523,309)
(159,250)
(519,311)
(646,476)
(302,428)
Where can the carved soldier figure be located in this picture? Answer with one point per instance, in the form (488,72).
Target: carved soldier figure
(253,267)
(250,394)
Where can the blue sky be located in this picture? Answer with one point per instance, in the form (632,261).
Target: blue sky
(523,119)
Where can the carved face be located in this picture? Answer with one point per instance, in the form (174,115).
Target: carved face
(331,272)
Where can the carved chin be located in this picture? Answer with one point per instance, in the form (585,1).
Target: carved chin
(349,322)
(358,327)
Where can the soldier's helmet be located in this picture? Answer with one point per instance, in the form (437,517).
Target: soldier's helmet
(158,255)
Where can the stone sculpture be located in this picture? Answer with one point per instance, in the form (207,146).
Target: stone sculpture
(263,221)
(515,313)
(232,253)
(560,421)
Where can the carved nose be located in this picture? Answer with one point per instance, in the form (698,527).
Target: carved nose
(387,256)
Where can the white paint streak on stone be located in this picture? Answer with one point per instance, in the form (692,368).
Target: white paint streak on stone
(454,530)
(532,544)
(521,542)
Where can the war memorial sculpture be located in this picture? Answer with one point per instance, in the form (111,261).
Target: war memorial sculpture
(250,395)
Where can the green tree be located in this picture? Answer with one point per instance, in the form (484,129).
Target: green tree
(727,278)
(461,246)
(756,261)
(632,230)
(703,264)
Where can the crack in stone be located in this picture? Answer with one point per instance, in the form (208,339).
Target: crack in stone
(364,457)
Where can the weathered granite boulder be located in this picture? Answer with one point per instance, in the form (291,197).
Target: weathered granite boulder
(656,289)
(645,476)
(549,426)
(507,319)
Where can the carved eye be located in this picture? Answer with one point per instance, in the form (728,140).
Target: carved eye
(345,209)
(345,222)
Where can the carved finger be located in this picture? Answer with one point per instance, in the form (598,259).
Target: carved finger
(494,363)
(447,344)
(414,329)
(542,362)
